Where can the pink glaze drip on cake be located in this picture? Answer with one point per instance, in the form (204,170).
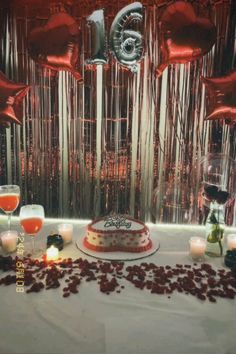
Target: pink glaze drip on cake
(101,239)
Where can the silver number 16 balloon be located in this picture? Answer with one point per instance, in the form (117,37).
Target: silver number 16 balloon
(98,46)
(126,44)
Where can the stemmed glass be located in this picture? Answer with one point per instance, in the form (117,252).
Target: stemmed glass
(32,219)
(9,200)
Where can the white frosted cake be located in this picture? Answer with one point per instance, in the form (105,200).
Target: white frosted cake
(117,233)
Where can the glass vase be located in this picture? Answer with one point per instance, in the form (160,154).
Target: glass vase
(215,229)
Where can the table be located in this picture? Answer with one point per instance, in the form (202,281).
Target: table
(131,322)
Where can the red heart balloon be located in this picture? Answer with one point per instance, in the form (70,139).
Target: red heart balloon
(222,97)
(55,45)
(11,95)
(184,36)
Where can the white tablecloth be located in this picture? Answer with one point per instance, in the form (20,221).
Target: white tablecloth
(132,322)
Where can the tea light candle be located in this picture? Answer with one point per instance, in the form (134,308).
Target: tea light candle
(52,253)
(197,247)
(66,232)
(231,241)
(9,240)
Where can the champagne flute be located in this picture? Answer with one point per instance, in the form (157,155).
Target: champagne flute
(32,219)
(9,200)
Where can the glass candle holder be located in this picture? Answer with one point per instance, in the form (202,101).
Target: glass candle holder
(231,242)
(197,248)
(66,232)
(9,241)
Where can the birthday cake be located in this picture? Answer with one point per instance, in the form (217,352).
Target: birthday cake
(117,233)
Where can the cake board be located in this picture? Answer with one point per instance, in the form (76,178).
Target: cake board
(118,256)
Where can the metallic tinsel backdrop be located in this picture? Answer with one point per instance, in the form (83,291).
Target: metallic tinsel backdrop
(117,141)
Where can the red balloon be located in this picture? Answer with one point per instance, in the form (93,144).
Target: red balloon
(222,97)
(184,36)
(11,95)
(55,45)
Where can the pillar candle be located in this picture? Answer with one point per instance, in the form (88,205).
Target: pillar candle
(52,253)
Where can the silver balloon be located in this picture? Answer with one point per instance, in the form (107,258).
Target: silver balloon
(98,44)
(127,44)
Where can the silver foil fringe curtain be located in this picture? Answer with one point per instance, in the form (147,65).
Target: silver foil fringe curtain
(138,156)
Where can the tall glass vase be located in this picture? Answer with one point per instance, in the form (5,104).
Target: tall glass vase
(218,174)
(215,229)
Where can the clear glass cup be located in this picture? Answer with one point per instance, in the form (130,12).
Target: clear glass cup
(32,220)
(9,200)
(219,170)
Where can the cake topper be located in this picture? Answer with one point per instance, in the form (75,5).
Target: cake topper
(118,221)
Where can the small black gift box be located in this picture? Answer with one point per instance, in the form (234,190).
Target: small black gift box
(55,240)
(230,258)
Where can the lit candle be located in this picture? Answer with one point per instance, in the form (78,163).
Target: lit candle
(231,241)
(52,253)
(197,247)
(9,240)
(66,232)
